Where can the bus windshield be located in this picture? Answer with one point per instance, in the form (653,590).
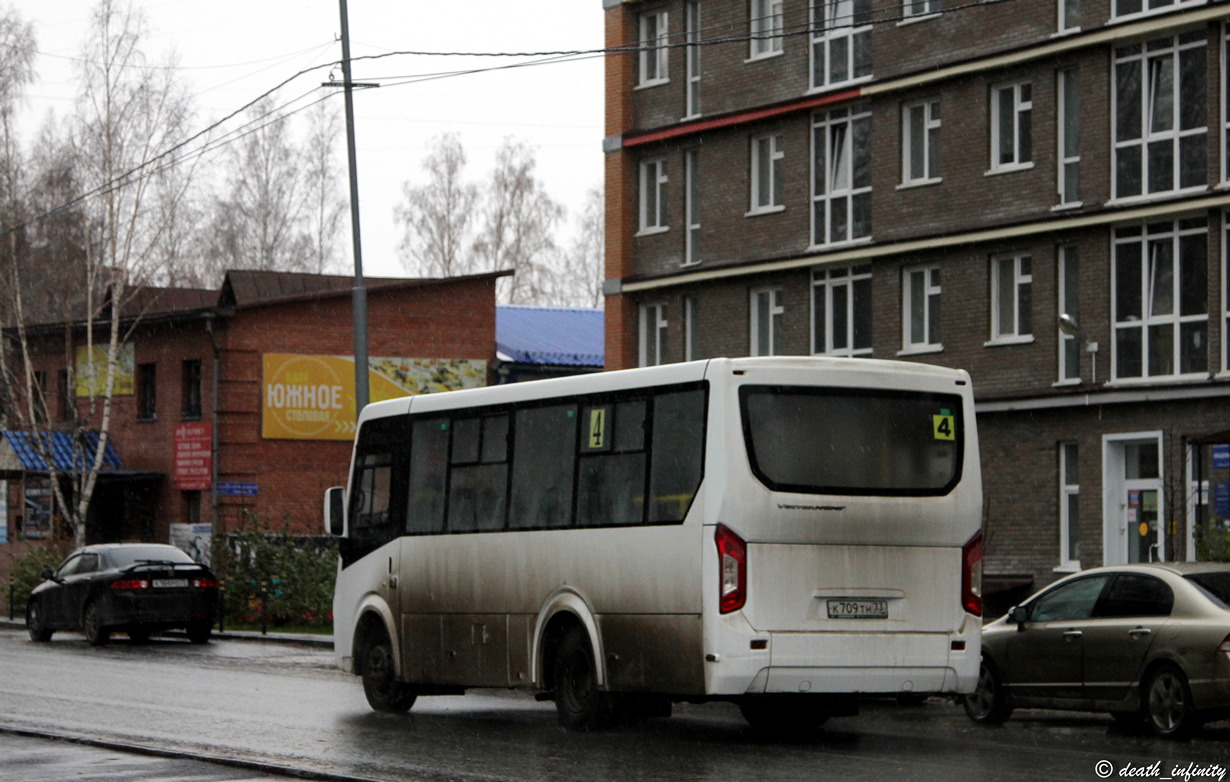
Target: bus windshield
(853,441)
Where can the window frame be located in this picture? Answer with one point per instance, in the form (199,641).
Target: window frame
(929,140)
(1067,264)
(1021,328)
(191,391)
(770,310)
(691,328)
(831,39)
(1068,16)
(691,62)
(919,9)
(765,24)
(1068,154)
(147,391)
(766,148)
(691,207)
(653,62)
(828,283)
(1150,237)
(652,178)
(1170,5)
(652,334)
(1069,467)
(842,191)
(1021,111)
(931,305)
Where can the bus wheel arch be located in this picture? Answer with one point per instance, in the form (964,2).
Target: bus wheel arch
(373,625)
(563,612)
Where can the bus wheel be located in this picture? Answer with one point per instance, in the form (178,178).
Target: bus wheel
(579,702)
(380,685)
(786,714)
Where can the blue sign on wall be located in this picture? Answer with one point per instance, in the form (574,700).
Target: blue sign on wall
(1221,456)
(1221,500)
(235,489)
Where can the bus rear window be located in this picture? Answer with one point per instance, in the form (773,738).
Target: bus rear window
(853,440)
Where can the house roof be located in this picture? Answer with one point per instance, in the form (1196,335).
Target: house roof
(252,288)
(558,336)
(25,448)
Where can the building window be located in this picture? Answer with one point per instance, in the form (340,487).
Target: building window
(920,142)
(1161,127)
(691,206)
(191,376)
(691,34)
(1068,124)
(920,7)
(766,321)
(1069,275)
(653,196)
(1011,126)
(691,325)
(1011,298)
(1122,8)
(653,49)
(147,392)
(1160,282)
(192,507)
(1069,507)
(766,28)
(920,308)
(653,334)
(841,181)
(1069,15)
(841,311)
(766,175)
(840,42)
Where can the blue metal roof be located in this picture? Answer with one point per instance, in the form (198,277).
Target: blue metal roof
(61,443)
(554,336)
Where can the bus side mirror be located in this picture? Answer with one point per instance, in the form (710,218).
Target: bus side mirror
(335,511)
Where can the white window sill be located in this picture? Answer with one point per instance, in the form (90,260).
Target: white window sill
(1068,567)
(820,89)
(822,248)
(689,264)
(1067,206)
(920,18)
(690,117)
(763,56)
(1069,382)
(920,350)
(1129,382)
(653,231)
(1222,375)
(645,85)
(1065,32)
(1152,198)
(1014,340)
(1009,169)
(913,183)
(765,210)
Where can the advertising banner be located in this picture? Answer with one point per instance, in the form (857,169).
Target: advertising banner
(91,369)
(193,462)
(312,397)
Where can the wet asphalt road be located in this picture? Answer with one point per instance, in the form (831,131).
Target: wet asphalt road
(283,709)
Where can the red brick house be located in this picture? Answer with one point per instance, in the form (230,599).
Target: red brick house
(240,401)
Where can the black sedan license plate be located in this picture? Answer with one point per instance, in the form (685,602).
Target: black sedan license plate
(858,609)
(170,582)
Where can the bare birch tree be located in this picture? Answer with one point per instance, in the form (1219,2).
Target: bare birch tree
(326,209)
(582,270)
(517,226)
(437,216)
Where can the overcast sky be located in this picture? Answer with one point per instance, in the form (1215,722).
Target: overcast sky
(231,51)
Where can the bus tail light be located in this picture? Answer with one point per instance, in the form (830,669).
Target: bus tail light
(732,570)
(971,575)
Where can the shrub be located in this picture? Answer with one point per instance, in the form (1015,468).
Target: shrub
(27,569)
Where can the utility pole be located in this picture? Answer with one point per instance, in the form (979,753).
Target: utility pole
(359,292)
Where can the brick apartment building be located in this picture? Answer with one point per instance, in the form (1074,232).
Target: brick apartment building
(240,401)
(940,181)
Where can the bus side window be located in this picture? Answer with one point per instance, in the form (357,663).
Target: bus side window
(428,472)
(478,478)
(373,490)
(611,487)
(678,454)
(543,456)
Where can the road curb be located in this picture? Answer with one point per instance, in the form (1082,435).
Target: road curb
(301,639)
(247,765)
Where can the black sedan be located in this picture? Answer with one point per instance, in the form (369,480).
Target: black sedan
(136,588)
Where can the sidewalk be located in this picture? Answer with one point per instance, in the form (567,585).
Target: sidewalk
(305,639)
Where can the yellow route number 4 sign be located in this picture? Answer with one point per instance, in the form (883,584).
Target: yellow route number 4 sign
(944,426)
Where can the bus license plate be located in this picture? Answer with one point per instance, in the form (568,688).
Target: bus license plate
(858,609)
(170,582)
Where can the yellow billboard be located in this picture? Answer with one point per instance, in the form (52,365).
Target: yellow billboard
(91,370)
(312,397)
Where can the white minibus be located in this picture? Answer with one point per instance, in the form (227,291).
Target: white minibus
(784,533)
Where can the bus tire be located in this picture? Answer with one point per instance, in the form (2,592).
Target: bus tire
(581,705)
(380,685)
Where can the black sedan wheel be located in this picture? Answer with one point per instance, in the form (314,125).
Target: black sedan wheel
(92,625)
(38,630)
(987,704)
(1168,707)
(200,632)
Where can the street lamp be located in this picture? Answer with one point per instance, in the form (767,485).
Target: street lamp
(1069,326)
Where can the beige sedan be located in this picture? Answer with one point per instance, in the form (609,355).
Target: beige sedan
(1142,642)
